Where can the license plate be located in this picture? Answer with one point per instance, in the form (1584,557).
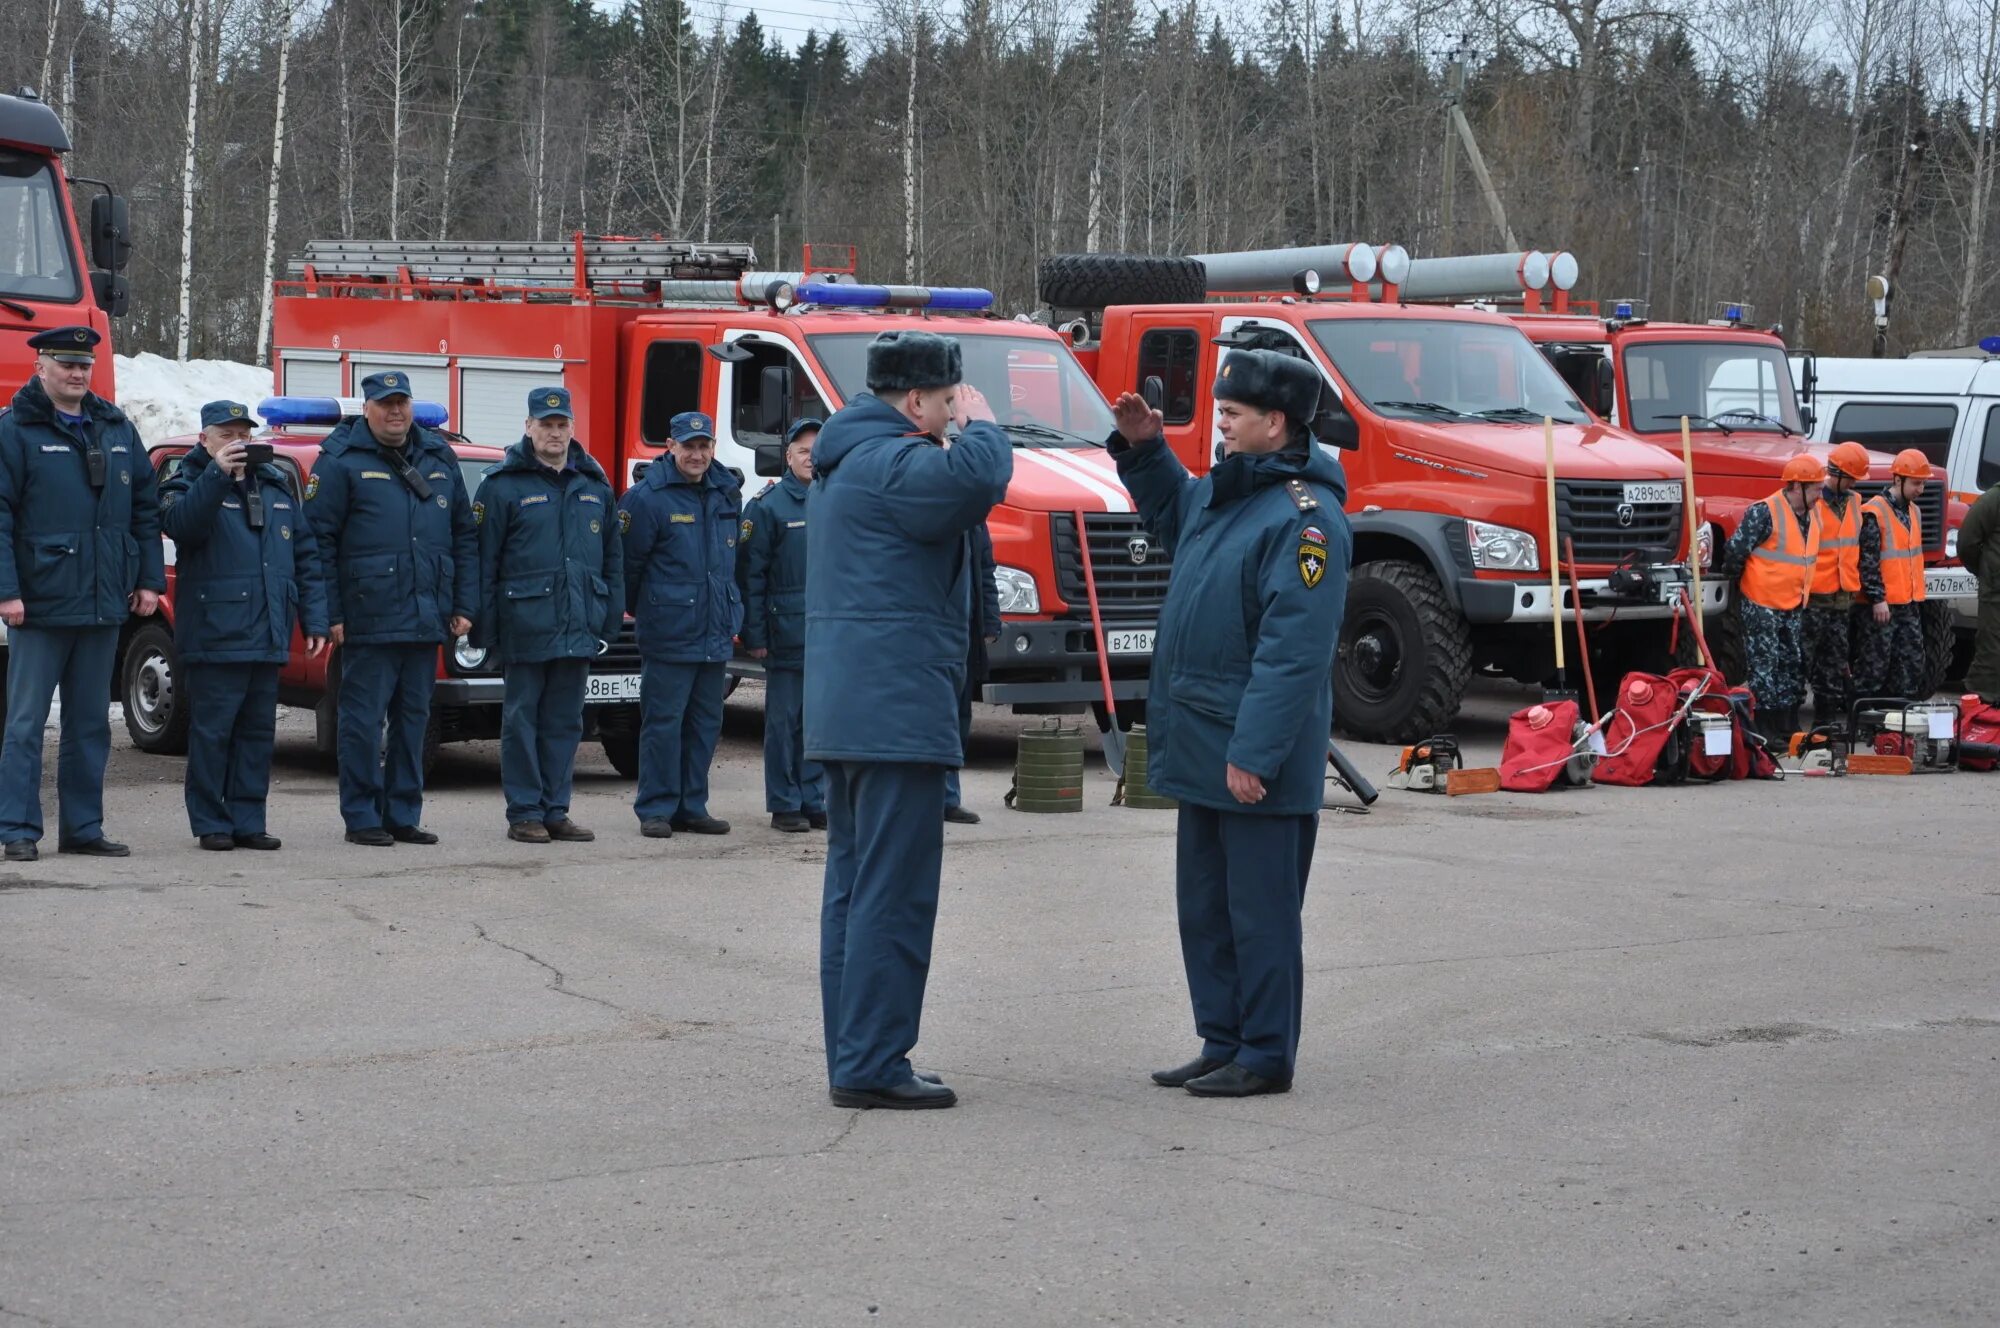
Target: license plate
(1950,583)
(611,687)
(1652,493)
(1129,642)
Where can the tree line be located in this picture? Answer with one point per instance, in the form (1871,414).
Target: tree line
(1689,152)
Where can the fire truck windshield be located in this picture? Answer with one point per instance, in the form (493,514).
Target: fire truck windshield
(1039,393)
(36,262)
(1446,371)
(1731,386)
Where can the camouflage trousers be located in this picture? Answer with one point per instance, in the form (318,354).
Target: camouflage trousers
(1774,655)
(1889,657)
(1825,640)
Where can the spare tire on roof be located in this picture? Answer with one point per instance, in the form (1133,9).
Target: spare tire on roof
(1093,281)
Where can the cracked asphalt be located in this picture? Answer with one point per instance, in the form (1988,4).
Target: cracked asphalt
(1633,1057)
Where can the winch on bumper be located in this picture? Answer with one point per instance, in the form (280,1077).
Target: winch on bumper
(1631,594)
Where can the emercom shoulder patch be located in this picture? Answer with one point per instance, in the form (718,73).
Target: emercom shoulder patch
(1312,563)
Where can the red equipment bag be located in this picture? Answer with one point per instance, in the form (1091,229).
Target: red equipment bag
(1540,741)
(1748,757)
(1638,730)
(1978,734)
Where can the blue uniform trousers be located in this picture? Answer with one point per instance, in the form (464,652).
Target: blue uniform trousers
(680,718)
(382,770)
(884,852)
(792,783)
(1240,885)
(951,789)
(541,723)
(79,661)
(232,729)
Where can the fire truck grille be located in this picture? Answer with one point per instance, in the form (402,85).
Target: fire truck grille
(1130,565)
(1605,528)
(1930,505)
(623,656)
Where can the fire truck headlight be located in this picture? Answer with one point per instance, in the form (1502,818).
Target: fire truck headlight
(1502,548)
(1951,544)
(468,656)
(1704,546)
(1017,591)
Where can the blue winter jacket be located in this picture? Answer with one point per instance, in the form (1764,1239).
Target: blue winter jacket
(396,567)
(680,563)
(237,591)
(771,567)
(551,563)
(889,582)
(73,554)
(1243,664)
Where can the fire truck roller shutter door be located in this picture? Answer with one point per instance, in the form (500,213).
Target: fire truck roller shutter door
(489,400)
(428,382)
(299,376)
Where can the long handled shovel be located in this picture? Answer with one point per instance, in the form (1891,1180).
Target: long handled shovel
(1114,737)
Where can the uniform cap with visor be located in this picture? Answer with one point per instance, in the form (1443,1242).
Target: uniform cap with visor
(388,383)
(74,344)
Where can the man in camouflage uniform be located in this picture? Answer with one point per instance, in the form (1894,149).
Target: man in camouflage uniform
(1849,573)
(1889,642)
(1770,559)
(1979,550)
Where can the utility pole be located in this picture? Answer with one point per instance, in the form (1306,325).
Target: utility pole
(1899,237)
(1454,93)
(1457,123)
(1647,167)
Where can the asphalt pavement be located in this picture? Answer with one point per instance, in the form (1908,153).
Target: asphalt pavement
(1646,1057)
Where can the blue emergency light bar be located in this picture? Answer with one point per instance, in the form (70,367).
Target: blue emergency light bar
(895,297)
(1622,309)
(1991,345)
(325,412)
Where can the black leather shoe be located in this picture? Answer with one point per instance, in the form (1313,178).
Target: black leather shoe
(911,1095)
(22,850)
(657,828)
(218,843)
(792,823)
(411,834)
(373,837)
(1194,1069)
(96,848)
(701,825)
(928,1076)
(566,831)
(817,820)
(960,816)
(528,832)
(260,840)
(1233,1080)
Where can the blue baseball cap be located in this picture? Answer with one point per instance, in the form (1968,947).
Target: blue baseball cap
(544,402)
(388,383)
(805,424)
(227,412)
(75,343)
(689,425)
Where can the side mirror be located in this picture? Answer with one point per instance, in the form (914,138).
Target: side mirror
(731,352)
(774,398)
(1808,417)
(1154,390)
(110,232)
(770,459)
(114,296)
(1335,427)
(1604,389)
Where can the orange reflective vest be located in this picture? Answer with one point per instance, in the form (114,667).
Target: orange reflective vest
(1780,569)
(1902,552)
(1839,565)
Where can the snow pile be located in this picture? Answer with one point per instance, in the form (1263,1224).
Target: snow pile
(164,397)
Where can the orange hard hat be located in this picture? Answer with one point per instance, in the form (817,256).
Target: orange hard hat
(1911,465)
(1851,459)
(1805,468)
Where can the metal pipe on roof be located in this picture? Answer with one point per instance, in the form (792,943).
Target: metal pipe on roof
(1476,276)
(1273,269)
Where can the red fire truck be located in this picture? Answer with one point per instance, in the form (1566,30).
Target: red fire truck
(1440,411)
(640,330)
(44,281)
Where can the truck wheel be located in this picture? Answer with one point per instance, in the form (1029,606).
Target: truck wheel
(1940,645)
(1725,641)
(155,708)
(1404,658)
(1092,281)
(622,750)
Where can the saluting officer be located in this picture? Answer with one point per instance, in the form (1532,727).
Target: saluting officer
(1240,707)
(79,550)
(680,525)
(246,568)
(399,555)
(888,605)
(552,574)
(771,564)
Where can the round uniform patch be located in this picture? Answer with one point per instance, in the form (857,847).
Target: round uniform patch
(478,512)
(748,526)
(124,477)
(443,501)
(312,487)
(286,531)
(596,526)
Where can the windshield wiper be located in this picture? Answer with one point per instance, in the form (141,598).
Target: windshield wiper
(1782,427)
(1696,419)
(1522,414)
(21,309)
(1426,408)
(1044,431)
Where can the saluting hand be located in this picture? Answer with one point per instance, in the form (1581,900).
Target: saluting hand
(1245,787)
(971,405)
(1137,421)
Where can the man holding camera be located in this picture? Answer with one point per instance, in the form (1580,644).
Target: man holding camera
(79,551)
(246,568)
(399,556)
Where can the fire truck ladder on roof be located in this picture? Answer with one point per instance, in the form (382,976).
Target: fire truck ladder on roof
(575,265)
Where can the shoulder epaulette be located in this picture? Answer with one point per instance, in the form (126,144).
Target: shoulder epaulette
(1302,496)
